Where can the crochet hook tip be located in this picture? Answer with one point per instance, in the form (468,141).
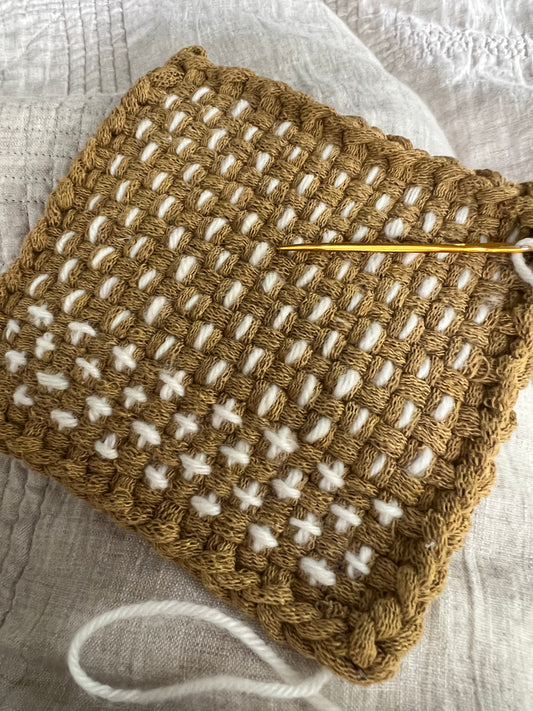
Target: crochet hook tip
(482,247)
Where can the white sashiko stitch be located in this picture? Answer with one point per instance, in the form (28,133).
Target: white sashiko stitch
(261,537)
(317,571)
(156,475)
(249,496)
(185,425)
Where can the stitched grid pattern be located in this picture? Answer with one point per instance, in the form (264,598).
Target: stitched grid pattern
(307,433)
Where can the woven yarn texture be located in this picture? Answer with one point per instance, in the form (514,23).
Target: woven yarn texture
(307,433)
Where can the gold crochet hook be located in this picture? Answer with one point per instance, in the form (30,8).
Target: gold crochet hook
(486,247)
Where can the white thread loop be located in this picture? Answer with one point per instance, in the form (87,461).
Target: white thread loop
(292,687)
(519,261)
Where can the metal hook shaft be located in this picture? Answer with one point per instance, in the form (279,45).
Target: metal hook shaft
(487,247)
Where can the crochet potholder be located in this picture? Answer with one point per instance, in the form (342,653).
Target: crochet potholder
(308,433)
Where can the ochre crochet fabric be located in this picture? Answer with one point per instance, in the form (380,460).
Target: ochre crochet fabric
(306,433)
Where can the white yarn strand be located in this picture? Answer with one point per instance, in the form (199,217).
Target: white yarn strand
(521,267)
(292,687)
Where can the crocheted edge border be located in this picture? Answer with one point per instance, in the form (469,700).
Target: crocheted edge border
(518,364)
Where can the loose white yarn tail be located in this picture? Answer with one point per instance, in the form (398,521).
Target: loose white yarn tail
(523,270)
(292,687)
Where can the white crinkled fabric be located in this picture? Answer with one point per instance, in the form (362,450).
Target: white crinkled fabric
(64,65)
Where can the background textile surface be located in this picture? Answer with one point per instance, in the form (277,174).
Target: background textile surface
(63,66)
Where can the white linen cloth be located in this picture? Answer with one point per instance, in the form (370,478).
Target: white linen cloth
(63,66)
